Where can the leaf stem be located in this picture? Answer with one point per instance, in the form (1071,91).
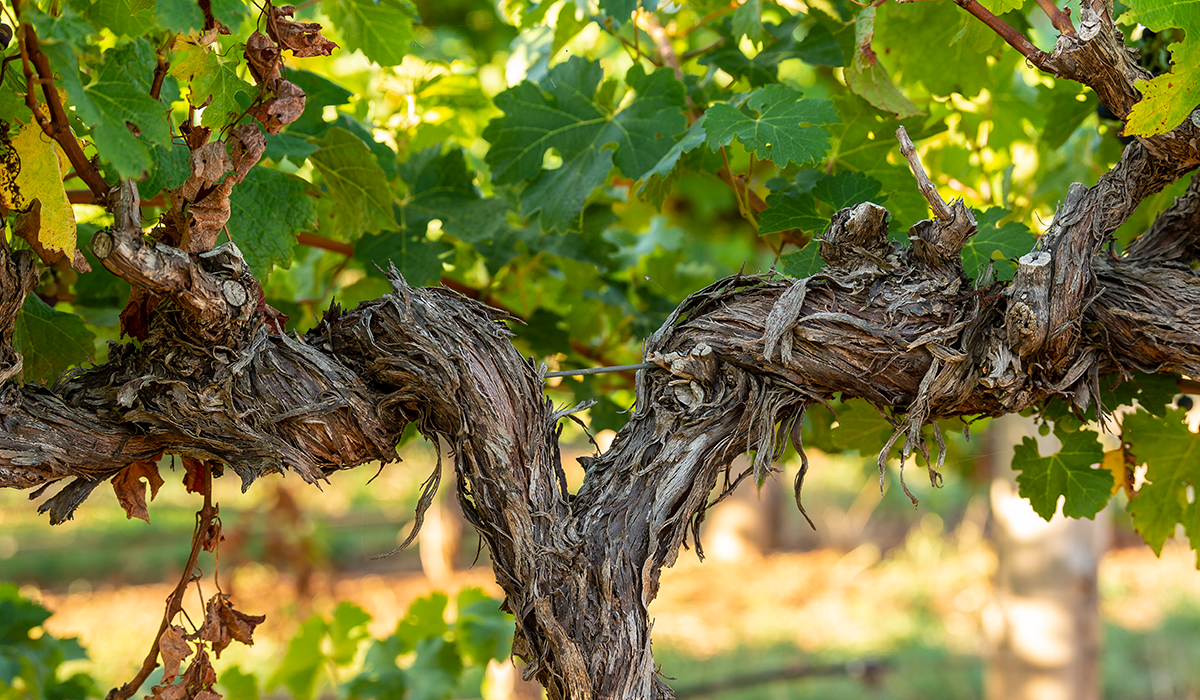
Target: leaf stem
(56,126)
(204,519)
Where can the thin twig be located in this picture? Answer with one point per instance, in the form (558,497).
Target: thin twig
(940,210)
(1014,38)
(1060,18)
(719,12)
(56,126)
(654,28)
(204,518)
(689,55)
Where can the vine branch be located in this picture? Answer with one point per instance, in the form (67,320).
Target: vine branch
(205,518)
(56,126)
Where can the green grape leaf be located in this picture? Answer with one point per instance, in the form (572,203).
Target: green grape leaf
(910,38)
(319,93)
(763,68)
(541,332)
(776,130)
(211,78)
(1065,107)
(1153,392)
(268,209)
(483,631)
(229,12)
(791,210)
(846,189)
(50,341)
(621,10)
(860,427)
(692,139)
(565,112)
(867,77)
(1068,473)
(356,183)
(238,685)
(999,7)
(381,29)
(1168,99)
(803,263)
(381,678)
(747,21)
(440,187)
(124,18)
(418,258)
(426,619)
(294,147)
(820,48)
(347,630)
(566,27)
(120,94)
(172,165)
(435,671)
(1011,241)
(180,16)
(1171,454)
(303,661)
(384,154)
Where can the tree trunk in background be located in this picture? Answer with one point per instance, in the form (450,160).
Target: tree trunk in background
(440,538)
(1044,624)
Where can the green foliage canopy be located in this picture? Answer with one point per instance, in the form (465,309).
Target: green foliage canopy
(587,165)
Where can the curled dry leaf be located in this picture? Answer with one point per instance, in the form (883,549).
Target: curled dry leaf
(131,494)
(193,473)
(264,59)
(196,683)
(303,38)
(246,146)
(223,624)
(211,538)
(284,108)
(174,650)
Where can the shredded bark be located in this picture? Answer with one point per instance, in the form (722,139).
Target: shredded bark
(734,369)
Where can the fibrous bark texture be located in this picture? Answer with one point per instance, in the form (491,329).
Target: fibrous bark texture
(736,366)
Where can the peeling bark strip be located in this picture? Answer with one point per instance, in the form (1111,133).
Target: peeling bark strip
(733,370)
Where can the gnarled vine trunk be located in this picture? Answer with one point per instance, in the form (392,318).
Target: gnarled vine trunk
(737,364)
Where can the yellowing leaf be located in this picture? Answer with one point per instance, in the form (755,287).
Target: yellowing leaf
(39,177)
(1114,461)
(1168,99)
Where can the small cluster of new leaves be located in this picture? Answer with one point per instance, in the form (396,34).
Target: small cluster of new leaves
(427,657)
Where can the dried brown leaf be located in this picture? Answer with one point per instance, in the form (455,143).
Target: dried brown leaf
(168,692)
(174,650)
(210,162)
(200,674)
(304,39)
(193,475)
(246,146)
(131,494)
(264,59)
(240,625)
(28,225)
(209,216)
(284,108)
(214,629)
(211,538)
